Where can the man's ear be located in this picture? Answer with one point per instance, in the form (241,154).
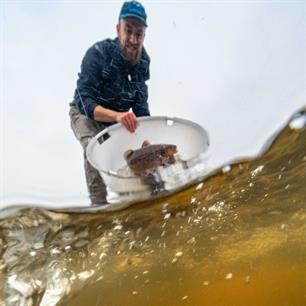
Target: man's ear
(118,27)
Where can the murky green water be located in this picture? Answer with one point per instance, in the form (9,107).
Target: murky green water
(238,238)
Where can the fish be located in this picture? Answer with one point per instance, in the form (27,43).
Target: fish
(150,156)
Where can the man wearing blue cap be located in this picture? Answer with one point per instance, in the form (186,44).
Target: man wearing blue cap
(111,87)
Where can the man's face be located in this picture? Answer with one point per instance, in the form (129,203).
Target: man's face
(131,33)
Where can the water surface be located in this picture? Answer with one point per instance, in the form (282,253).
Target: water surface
(237,238)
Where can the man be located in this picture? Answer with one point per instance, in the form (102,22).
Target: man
(111,87)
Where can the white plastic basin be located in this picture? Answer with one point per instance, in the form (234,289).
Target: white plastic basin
(105,153)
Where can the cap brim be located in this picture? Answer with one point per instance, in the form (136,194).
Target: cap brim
(135,16)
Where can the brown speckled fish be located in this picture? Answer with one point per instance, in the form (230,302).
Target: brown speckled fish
(149,157)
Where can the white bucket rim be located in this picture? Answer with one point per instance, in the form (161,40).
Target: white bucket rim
(114,127)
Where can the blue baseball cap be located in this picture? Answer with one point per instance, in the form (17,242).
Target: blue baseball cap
(133,9)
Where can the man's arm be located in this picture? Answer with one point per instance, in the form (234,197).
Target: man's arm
(128,119)
(88,89)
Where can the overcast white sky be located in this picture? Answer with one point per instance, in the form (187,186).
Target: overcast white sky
(235,67)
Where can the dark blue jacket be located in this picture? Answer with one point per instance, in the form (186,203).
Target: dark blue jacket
(107,79)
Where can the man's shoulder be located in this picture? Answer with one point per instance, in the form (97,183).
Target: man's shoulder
(102,46)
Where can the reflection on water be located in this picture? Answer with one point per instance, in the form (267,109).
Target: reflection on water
(238,238)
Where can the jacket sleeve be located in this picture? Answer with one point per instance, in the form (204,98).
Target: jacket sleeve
(89,82)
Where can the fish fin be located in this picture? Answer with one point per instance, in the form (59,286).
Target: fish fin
(127,154)
(145,143)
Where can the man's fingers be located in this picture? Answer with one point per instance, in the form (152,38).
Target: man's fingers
(133,121)
(130,122)
(127,124)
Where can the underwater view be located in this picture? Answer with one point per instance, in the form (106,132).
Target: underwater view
(236,238)
(223,220)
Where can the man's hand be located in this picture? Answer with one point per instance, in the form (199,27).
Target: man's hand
(128,119)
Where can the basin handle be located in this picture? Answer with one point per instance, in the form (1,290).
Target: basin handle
(103,138)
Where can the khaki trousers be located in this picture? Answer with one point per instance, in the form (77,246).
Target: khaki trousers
(84,129)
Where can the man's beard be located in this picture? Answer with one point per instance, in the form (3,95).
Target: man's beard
(134,57)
